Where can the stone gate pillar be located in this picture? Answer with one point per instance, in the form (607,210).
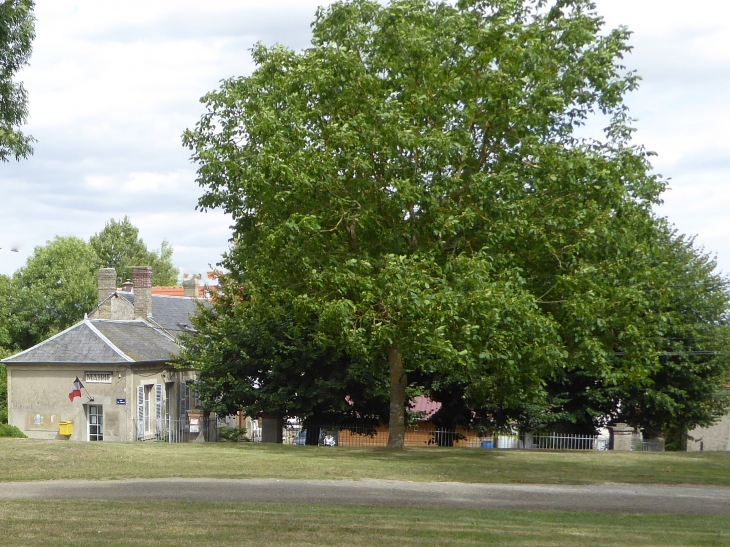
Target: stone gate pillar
(621,435)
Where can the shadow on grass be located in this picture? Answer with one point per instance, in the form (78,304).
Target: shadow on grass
(25,459)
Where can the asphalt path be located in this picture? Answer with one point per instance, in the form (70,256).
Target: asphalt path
(621,498)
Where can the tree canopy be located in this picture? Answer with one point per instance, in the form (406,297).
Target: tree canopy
(58,282)
(53,290)
(118,246)
(414,185)
(16,36)
(294,374)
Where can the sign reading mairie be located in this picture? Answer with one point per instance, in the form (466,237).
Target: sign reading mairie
(98,377)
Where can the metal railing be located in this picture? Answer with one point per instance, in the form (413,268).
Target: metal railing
(429,436)
(179,431)
(557,441)
(377,436)
(651,445)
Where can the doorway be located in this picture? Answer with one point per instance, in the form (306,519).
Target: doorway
(96,423)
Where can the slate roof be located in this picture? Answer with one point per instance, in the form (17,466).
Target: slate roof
(102,342)
(137,339)
(172,313)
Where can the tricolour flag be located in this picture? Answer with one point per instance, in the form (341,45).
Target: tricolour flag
(76,390)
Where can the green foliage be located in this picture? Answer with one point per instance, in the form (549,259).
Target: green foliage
(16,34)
(232,434)
(11,431)
(412,186)
(118,246)
(5,315)
(265,360)
(58,283)
(53,290)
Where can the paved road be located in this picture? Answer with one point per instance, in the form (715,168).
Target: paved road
(597,498)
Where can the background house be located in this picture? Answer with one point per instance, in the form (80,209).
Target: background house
(121,353)
(713,438)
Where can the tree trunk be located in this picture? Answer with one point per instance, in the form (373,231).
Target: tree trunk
(398,383)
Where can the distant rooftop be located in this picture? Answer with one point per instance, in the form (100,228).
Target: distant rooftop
(177,290)
(172,313)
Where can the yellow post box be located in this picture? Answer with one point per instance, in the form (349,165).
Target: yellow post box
(65,428)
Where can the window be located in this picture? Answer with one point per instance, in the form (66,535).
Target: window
(166,405)
(96,422)
(149,410)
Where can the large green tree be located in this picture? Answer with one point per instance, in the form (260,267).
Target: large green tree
(415,182)
(16,36)
(119,246)
(53,290)
(686,305)
(657,316)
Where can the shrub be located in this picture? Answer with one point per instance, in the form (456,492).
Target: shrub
(232,434)
(3,415)
(7,430)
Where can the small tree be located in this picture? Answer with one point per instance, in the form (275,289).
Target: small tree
(58,283)
(53,290)
(118,246)
(16,35)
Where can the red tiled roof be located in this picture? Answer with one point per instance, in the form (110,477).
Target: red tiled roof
(425,405)
(176,291)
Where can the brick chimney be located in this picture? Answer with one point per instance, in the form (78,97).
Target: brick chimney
(107,285)
(142,292)
(191,287)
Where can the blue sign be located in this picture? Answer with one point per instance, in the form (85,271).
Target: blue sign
(121,401)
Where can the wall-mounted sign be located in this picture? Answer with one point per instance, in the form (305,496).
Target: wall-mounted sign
(98,377)
(121,401)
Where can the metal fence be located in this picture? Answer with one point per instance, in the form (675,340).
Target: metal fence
(560,441)
(377,436)
(651,445)
(428,436)
(180,431)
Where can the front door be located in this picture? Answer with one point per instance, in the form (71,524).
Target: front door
(96,423)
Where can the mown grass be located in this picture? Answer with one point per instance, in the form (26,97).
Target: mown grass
(25,460)
(159,523)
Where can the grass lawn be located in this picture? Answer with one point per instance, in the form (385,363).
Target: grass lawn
(25,459)
(57,523)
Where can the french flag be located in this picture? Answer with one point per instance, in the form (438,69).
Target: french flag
(76,390)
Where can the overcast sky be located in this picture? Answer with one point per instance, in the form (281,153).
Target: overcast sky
(113,85)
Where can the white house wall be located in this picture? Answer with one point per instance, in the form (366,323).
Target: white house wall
(711,439)
(38,398)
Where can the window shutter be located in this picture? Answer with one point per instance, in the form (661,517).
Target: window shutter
(140,412)
(183,403)
(158,409)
